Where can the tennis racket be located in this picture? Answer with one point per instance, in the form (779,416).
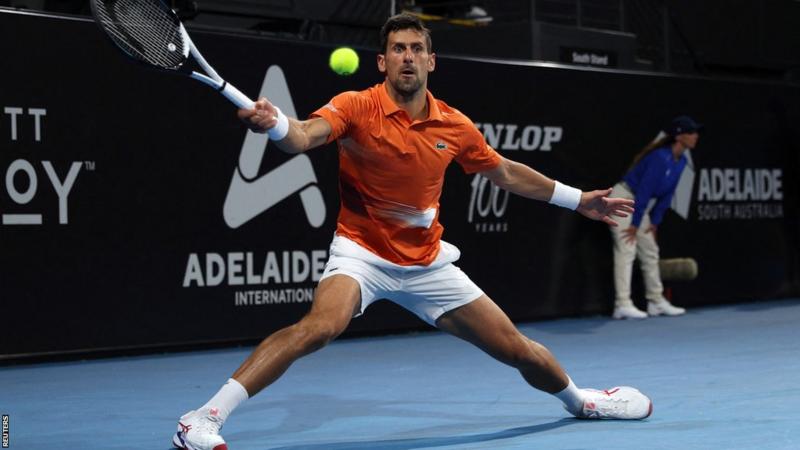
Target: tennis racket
(149,32)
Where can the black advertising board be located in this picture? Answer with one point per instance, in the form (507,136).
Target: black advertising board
(137,211)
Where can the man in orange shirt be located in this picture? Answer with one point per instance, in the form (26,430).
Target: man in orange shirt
(395,142)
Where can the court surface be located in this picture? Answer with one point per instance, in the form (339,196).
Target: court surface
(720,378)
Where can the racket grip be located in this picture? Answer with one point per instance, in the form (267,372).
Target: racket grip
(234,95)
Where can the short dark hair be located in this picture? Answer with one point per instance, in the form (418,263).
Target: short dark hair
(404,21)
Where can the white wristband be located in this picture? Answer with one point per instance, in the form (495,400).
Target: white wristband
(281,129)
(566,196)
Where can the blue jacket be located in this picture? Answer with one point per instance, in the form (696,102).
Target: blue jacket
(655,176)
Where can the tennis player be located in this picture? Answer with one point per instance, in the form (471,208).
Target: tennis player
(395,141)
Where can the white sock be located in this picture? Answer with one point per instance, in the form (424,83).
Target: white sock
(572,397)
(231,395)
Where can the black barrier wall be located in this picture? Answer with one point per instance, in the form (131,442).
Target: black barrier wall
(137,211)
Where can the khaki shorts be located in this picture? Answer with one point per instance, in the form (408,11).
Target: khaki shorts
(426,292)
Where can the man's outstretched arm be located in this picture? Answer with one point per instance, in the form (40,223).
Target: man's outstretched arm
(527,182)
(291,135)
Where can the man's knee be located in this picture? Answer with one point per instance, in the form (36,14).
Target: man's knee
(316,333)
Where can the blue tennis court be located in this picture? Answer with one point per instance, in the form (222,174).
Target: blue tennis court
(720,377)
(155,221)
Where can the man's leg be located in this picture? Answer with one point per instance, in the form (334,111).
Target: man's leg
(485,325)
(336,300)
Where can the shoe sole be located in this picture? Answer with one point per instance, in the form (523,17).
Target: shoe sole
(179,443)
(620,317)
(665,314)
(649,413)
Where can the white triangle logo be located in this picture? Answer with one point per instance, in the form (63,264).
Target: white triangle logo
(682,199)
(249,194)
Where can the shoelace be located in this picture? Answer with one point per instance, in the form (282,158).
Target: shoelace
(209,423)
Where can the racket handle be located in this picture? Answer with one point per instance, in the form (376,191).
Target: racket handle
(234,95)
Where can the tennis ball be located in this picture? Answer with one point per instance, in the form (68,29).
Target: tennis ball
(344,61)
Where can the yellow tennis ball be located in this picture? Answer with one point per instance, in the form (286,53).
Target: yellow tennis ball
(344,61)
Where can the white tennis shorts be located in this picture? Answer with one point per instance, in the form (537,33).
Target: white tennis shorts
(427,291)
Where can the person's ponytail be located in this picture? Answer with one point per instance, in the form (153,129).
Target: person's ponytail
(660,140)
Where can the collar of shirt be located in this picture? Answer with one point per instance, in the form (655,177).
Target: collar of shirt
(389,107)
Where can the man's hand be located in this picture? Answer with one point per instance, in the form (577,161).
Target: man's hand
(597,206)
(261,118)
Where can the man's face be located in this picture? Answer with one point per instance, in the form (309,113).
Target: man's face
(407,61)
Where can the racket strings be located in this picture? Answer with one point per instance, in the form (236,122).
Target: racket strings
(145,29)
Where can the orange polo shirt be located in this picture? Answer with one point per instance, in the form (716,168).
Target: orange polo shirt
(391,170)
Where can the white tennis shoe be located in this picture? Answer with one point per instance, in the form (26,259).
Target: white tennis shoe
(628,312)
(621,402)
(664,307)
(199,430)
